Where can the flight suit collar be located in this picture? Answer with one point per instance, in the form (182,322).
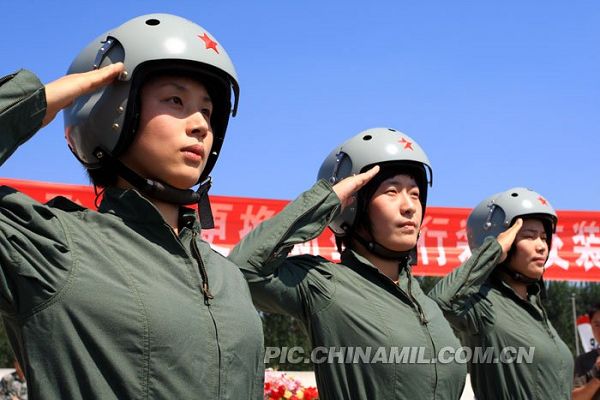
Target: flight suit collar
(131,205)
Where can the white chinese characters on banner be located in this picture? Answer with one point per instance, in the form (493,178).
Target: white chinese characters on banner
(428,231)
(251,219)
(462,242)
(557,243)
(586,244)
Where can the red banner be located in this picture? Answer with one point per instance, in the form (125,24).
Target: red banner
(575,253)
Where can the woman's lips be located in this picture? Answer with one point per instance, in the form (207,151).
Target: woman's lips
(194,152)
(539,260)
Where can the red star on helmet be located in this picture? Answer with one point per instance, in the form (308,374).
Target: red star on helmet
(210,44)
(406,143)
(543,200)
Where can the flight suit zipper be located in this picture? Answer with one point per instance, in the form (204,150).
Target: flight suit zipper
(422,318)
(424,323)
(205,287)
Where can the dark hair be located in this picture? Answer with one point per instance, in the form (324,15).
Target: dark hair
(105,176)
(593,310)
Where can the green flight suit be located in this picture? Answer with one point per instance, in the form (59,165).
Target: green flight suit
(349,305)
(488,314)
(108,304)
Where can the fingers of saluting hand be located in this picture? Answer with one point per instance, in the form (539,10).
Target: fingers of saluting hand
(63,91)
(507,238)
(346,188)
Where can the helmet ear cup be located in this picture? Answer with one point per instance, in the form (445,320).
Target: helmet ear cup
(108,118)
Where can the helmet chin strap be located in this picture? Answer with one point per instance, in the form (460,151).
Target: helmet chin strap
(517,276)
(164,192)
(382,251)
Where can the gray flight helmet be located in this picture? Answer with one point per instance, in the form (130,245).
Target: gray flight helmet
(376,146)
(106,120)
(498,212)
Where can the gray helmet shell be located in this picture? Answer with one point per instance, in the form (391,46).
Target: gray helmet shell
(104,118)
(496,213)
(364,150)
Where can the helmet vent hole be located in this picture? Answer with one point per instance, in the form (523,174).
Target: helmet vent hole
(391,130)
(514,194)
(152,22)
(367,137)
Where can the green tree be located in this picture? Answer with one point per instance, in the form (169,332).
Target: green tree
(559,305)
(284,332)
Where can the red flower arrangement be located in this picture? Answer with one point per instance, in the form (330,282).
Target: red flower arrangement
(280,386)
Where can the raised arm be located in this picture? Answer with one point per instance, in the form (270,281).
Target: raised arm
(26,105)
(460,294)
(281,284)
(35,255)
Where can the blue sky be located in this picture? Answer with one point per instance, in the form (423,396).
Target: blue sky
(499,94)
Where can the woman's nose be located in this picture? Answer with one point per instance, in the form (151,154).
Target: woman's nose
(198,125)
(407,205)
(541,245)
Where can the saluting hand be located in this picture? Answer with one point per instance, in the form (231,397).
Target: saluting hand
(61,92)
(352,184)
(507,238)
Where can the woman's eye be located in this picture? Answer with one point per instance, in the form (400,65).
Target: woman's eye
(206,112)
(175,100)
(413,193)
